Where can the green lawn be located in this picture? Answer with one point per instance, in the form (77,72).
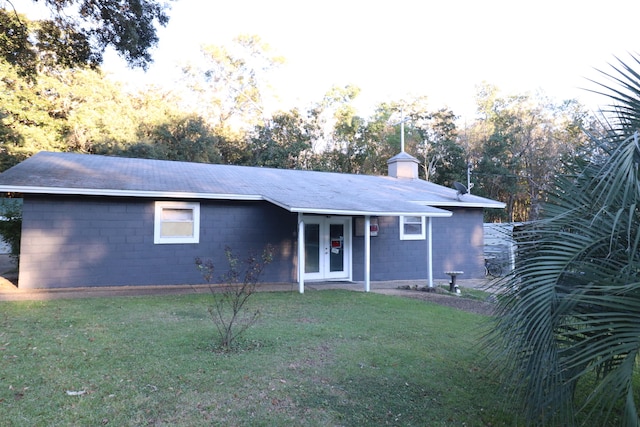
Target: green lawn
(329,358)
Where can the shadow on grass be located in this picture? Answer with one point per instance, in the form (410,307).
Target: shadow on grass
(375,400)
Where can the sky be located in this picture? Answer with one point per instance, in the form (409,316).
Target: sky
(393,50)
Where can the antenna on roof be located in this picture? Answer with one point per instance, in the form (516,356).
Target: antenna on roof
(403,119)
(461,189)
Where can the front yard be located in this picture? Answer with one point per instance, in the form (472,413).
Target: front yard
(330,358)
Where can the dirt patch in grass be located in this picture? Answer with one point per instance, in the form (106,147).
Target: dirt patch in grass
(442,297)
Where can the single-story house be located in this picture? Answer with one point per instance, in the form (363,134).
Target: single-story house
(93,220)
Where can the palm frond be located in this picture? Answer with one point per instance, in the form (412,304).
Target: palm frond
(572,310)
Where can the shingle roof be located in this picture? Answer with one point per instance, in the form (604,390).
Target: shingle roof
(294,190)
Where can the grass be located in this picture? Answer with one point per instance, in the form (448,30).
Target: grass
(329,358)
(469,293)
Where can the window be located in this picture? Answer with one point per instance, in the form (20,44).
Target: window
(177,222)
(412,228)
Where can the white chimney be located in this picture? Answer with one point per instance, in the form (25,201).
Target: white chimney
(403,165)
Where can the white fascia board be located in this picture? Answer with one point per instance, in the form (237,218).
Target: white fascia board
(441,214)
(352,212)
(460,204)
(125,193)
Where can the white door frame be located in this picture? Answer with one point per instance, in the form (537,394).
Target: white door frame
(324,223)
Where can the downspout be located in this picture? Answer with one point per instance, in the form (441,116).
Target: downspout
(301,260)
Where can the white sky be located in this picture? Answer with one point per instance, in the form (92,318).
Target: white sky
(402,48)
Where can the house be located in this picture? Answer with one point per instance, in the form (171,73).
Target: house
(93,220)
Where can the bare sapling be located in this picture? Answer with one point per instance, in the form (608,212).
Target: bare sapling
(229,311)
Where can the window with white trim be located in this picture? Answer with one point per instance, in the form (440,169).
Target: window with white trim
(176,222)
(412,228)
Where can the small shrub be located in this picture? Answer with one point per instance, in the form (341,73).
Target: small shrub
(229,311)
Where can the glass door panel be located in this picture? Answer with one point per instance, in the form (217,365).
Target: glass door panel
(312,248)
(336,255)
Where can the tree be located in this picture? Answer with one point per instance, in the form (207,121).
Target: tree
(433,138)
(63,110)
(86,104)
(379,139)
(347,142)
(568,329)
(27,119)
(75,110)
(516,147)
(15,46)
(179,136)
(79,31)
(284,141)
(345,145)
(229,86)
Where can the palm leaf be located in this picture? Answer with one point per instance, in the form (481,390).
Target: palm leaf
(571,312)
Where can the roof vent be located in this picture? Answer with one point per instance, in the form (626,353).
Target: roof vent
(403,165)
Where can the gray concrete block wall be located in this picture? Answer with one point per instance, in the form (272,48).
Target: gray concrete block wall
(457,245)
(391,258)
(99,241)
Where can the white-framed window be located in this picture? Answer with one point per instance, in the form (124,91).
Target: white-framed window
(412,228)
(177,222)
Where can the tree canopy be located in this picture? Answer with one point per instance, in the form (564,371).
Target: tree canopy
(518,145)
(513,148)
(78,32)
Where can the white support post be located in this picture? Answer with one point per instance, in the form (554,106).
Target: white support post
(430,257)
(367,253)
(301,260)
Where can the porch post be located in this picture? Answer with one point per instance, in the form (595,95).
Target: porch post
(430,256)
(301,260)
(367,253)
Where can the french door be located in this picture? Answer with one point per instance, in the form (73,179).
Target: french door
(327,247)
